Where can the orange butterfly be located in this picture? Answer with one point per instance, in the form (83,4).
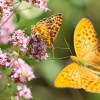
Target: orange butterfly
(48,28)
(84,72)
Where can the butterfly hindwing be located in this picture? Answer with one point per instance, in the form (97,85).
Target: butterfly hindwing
(89,81)
(68,77)
(76,76)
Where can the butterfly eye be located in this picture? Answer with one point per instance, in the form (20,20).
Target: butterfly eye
(40,21)
(44,19)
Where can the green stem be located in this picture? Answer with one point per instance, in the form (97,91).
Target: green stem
(3,89)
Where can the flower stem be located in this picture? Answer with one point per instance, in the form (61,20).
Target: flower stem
(9,16)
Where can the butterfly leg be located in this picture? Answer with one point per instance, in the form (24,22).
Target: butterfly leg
(53,48)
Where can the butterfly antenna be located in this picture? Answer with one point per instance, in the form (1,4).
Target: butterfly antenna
(68,46)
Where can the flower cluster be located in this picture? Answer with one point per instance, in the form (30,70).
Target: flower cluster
(37,49)
(5,59)
(23,91)
(5,8)
(6,26)
(18,39)
(21,72)
(39,3)
(6,30)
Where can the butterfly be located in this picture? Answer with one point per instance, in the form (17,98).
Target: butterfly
(84,72)
(48,28)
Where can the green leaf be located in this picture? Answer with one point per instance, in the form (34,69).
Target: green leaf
(17,17)
(12,98)
(20,0)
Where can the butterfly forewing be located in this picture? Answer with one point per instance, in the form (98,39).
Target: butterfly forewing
(85,38)
(53,24)
(93,57)
(48,28)
(69,77)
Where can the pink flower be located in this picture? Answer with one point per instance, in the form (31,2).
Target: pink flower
(6,26)
(4,37)
(23,91)
(4,59)
(5,8)
(9,26)
(6,30)
(39,3)
(18,39)
(37,49)
(6,12)
(21,72)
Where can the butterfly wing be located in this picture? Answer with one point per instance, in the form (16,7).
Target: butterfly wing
(93,58)
(40,30)
(89,81)
(75,76)
(53,24)
(85,38)
(48,28)
(86,42)
(68,77)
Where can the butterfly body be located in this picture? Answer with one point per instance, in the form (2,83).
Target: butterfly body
(79,61)
(82,62)
(84,72)
(48,28)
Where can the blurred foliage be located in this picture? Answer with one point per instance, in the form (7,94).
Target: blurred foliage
(46,71)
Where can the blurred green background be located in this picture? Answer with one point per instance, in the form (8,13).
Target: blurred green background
(46,71)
